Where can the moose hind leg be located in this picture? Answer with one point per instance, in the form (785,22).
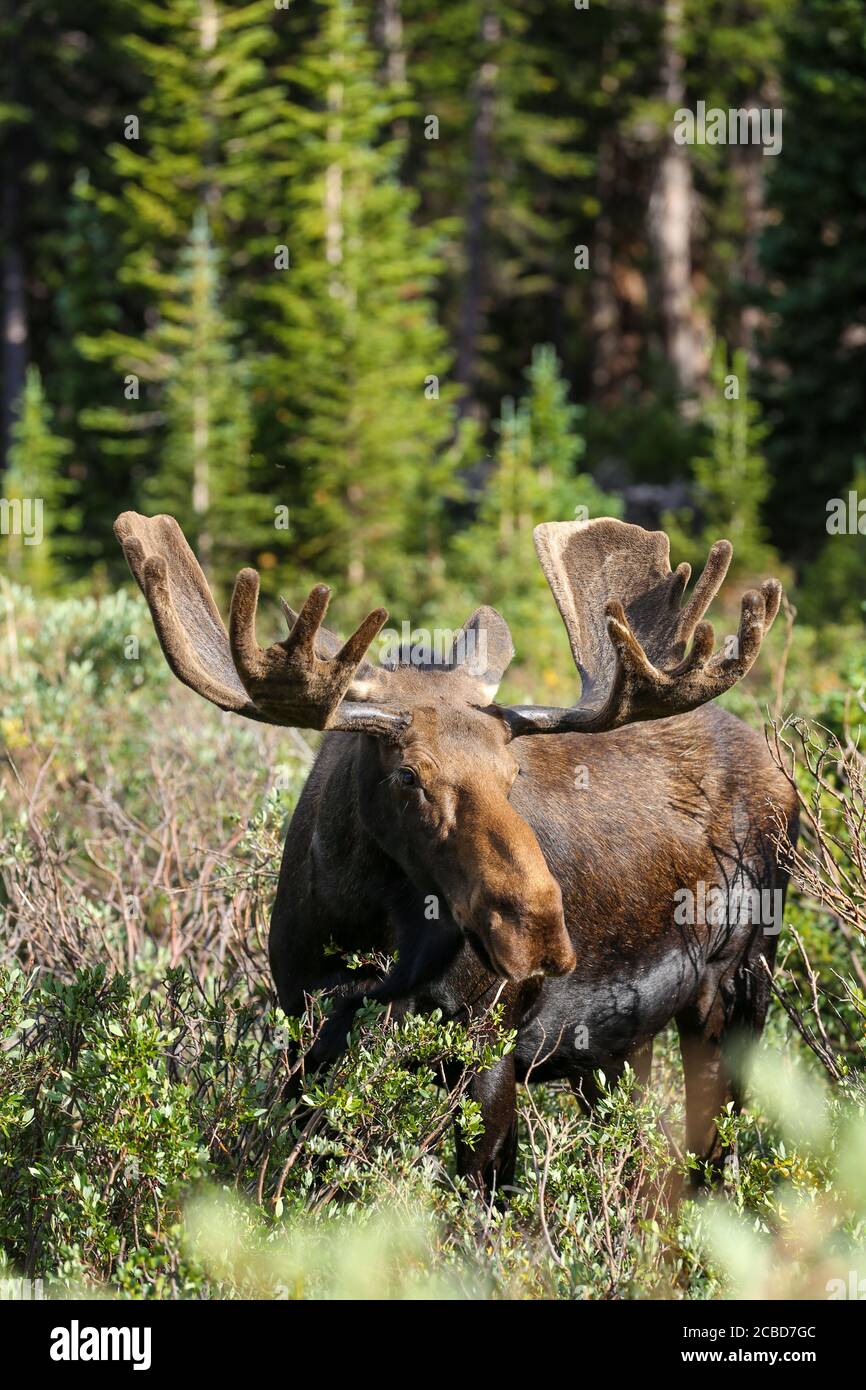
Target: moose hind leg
(707,1087)
(712,1041)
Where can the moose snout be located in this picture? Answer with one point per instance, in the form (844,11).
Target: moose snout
(521,939)
(560,962)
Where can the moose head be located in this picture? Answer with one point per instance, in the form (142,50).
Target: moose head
(440,756)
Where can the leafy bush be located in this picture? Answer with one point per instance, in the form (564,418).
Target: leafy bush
(158,1135)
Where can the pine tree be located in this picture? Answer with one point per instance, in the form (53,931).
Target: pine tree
(733,51)
(731,478)
(500,166)
(202,136)
(197,146)
(813,382)
(533,479)
(65,78)
(37,492)
(206,474)
(357,383)
(64,71)
(89,301)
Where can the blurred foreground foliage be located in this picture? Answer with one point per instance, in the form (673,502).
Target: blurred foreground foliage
(148,1143)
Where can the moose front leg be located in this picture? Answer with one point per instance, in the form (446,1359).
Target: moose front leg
(422,958)
(490,1164)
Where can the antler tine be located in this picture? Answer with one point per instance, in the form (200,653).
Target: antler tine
(301,681)
(289,680)
(643,671)
(642,691)
(772,591)
(186,619)
(711,580)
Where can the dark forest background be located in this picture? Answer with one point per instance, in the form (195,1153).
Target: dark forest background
(310,277)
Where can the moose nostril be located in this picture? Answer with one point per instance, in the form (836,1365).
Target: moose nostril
(556,965)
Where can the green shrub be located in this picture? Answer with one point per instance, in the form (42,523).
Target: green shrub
(148,1143)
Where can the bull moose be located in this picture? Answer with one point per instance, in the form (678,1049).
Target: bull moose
(559,892)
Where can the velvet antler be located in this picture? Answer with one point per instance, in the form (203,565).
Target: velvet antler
(620,603)
(303,681)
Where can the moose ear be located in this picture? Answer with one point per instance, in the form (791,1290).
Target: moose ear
(483,649)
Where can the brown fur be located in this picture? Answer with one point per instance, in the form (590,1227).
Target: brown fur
(666,806)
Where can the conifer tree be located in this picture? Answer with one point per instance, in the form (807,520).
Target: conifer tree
(63,70)
(494,150)
(37,493)
(196,146)
(814,357)
(206,475)
(533,479)
(730,477)
(358,378)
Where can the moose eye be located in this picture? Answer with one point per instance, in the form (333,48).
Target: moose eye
(407,777)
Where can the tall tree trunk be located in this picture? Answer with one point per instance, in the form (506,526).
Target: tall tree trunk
(747,162)
(14,305)
(208,34)
(389,24)
(476,244)
(603,302)
(671,216)
(201,405)
(333,189)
